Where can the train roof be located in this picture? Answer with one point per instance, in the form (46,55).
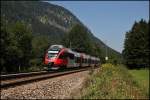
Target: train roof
(57,47)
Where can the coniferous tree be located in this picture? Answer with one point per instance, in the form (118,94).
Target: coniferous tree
(136,46)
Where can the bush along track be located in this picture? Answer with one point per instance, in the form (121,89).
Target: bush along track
(112,82)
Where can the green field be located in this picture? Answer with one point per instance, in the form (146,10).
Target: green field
(116,82)
(142,77)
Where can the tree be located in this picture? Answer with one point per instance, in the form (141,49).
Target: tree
(136,45)
(23,36)
(16,46)
(4,42)
(39,44)
(78,38)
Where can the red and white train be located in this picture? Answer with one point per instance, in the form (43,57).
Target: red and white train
(57,56)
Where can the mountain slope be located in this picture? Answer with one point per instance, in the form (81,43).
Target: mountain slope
(45,19)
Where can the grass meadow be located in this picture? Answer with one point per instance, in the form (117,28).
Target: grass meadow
(142,77)
(117,82)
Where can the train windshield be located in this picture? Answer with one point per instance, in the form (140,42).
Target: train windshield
(54,50)
(52,54)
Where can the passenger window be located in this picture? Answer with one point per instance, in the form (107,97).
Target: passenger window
(71,56)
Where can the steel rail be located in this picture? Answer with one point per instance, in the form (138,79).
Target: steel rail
(19,75)
(14,80)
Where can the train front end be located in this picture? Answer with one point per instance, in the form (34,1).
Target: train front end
(52,58)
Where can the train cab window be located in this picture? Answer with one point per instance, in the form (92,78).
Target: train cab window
(52,55)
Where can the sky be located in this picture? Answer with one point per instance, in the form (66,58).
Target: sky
(108,20)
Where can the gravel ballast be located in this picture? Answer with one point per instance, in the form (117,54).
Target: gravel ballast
(54,88)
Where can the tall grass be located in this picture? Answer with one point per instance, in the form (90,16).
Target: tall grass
(142,77)
(112,82)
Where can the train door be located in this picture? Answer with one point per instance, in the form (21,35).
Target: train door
(71,60)
(81,60)
(77,60)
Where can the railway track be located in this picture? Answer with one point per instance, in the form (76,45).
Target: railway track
(23,78)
